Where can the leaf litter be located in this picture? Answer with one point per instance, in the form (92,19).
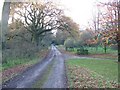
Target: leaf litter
(80,77)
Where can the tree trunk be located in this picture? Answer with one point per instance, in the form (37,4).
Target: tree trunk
(5,17)
(119,51)
(97,48)
(66,48)
(118,33)
(105,48)
(37,42)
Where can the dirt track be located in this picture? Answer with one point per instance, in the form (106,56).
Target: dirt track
(55,79)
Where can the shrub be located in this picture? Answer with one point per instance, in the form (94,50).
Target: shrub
(114,47)
(82,51)
(69,43)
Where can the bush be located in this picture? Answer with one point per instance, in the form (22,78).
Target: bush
(82,51)
(69,44)
(18,49)
(114,47)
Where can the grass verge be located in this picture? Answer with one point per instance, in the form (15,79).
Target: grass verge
(18,61)
(13,67)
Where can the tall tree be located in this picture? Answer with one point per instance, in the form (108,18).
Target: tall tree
(110,21)
(5,17)
(118,34)
(39,18)
(96,24)
(67,24)
(68,28)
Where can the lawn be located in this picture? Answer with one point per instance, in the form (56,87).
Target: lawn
(99,50)
(99,53)
(106,69)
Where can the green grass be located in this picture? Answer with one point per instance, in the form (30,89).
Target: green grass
(106,68)
(0,67)
(18,61)
(12,62)
(100,50)
(99,53)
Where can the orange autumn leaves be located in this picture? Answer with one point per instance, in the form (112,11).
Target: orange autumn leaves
(107,33)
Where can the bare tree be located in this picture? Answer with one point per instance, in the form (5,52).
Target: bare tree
(96,25)
(39,18)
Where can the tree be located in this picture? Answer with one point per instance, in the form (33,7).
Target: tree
(60,37)
(39,18)
(8,7)
(110,21)
(48,39)
(69,43)
(5,17)
(69,26)
(0,37)
(96,27)
(118,33)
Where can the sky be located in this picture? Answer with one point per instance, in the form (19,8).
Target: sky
(81,11)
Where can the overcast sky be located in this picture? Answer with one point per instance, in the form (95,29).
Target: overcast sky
(81,11)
